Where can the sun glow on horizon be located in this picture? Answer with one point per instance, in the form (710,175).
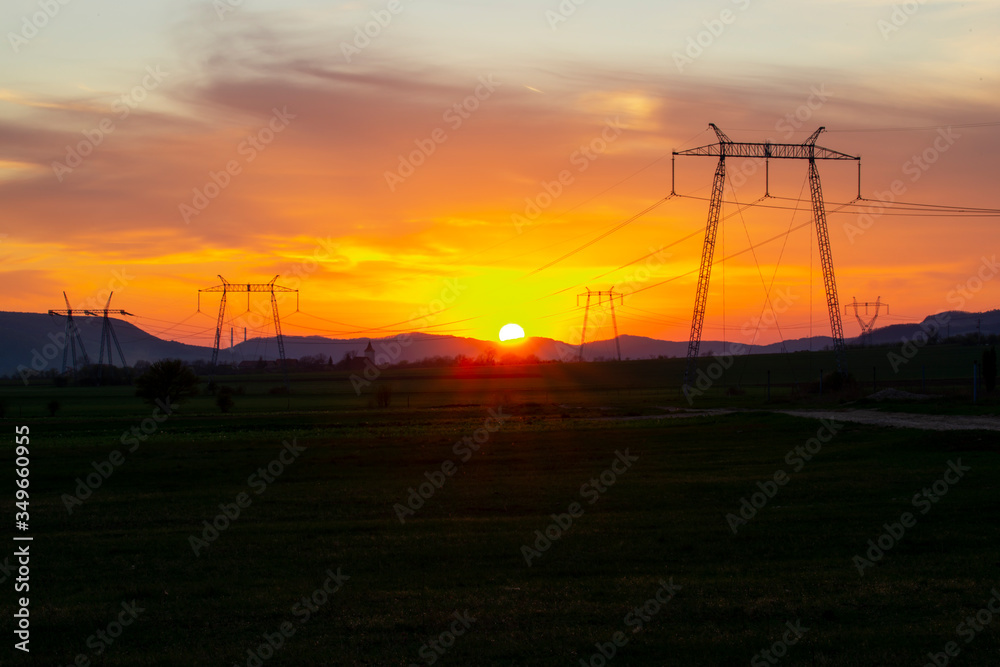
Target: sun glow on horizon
(511,332)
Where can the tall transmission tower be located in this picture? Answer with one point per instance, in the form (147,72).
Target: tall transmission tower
(866,326)
(610,295)
(808,150)
(72,335)
(108,334)
(226,287)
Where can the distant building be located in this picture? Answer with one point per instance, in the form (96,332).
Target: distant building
(370,352)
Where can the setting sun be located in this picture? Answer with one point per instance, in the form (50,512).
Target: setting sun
(511,332)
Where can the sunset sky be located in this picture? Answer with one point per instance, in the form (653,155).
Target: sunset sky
(310,129)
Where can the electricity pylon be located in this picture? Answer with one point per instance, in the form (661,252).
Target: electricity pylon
(226,287)
(72,336)
(108,335)
(611,295)
(808,150)
(869,326)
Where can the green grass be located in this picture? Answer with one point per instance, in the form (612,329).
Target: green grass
(640,385)
(663,518)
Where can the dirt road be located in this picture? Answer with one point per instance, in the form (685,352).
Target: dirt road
(902,419)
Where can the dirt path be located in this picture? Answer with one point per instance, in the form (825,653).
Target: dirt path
(873,417)
(673,413)
(902,419)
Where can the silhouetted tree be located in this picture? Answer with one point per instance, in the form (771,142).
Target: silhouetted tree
(169,380)
(224,398)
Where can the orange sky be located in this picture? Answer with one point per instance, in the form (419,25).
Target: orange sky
(310,199)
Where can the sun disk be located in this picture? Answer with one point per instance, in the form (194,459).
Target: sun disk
(511,332)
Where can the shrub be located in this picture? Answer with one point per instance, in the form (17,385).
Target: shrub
(224,398)
(169,380)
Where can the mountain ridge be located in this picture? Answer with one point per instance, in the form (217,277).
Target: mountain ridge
(36,341)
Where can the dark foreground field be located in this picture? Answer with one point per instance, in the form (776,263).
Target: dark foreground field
(401,588)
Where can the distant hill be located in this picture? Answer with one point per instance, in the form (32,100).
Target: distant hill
(34,339)
(956,323)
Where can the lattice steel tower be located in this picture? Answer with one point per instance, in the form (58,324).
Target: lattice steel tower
(867,327)
(808,150)
(610,295)
(72,335)
(108,334)
(226,287)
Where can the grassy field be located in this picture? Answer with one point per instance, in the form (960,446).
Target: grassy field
(941,370)
(329,514)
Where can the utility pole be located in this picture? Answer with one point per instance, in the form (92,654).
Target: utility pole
(866,326)
(808,150)
(610,295)
(72,336)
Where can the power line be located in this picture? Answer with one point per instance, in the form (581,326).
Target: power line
(601,236)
